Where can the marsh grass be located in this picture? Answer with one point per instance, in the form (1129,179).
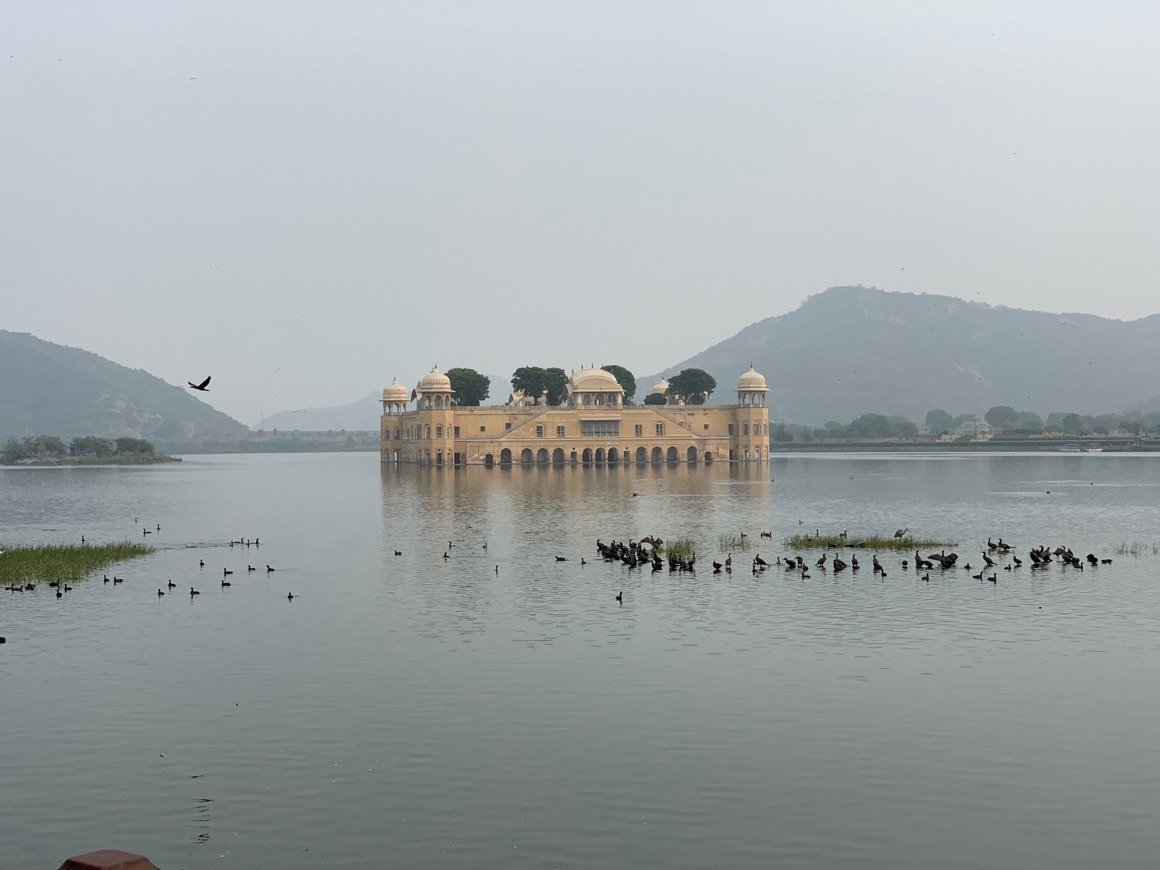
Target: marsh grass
(63,561)
(682,548)
(1136,548)
(871,542)
(733,543)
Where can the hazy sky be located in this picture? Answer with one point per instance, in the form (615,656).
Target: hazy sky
(306,199)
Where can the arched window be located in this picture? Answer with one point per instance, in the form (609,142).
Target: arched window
(439,431)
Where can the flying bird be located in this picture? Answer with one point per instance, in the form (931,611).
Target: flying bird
(203,386)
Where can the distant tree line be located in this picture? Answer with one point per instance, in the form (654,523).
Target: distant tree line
(89,446)
(1025,423)
(1010,422)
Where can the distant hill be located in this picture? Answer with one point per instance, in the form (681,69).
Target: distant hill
(849,351)
(360,416)
(50,389)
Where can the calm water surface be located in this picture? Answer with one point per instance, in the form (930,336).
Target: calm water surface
(413,711)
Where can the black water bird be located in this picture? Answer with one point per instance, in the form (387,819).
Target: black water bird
(926,577)
(398,552)
(289,596)
(159,593)
(193,592)
(250,568)
(203,386)
(268,569)
(117,579)
(620,597)
(172,585)
(561,559)
(201,563)
(226,583)
(226,572)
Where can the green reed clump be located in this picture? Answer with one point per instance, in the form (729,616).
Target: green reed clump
(681,548)
(865,542)
(63,561)
(733,543)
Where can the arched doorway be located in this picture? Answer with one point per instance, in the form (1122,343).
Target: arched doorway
(691,455)
(558,456)
(586,456)
(599,455)
(526,456)
(672,455)
(708,457)
(613,455)
(439,458)
(542,456)
(505,457)
(657,456)
(572,457)
(641,455)
(488,461)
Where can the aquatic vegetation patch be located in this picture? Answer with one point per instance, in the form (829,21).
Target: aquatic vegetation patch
(1136,548)
(733,543)
(63,561)
(865,542)
(680,548)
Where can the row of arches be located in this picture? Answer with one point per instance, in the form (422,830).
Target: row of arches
(599,456)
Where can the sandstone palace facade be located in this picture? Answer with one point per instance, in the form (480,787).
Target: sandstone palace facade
(591,425)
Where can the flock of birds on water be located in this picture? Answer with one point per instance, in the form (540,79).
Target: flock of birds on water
(61,587)
(646,554)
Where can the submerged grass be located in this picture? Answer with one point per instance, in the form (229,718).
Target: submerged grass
(733,543)
(1137,548)
(870,542)
(681,548)
(63,561)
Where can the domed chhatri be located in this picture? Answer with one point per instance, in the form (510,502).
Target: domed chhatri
(594,388)
(594,424)
(660,387)
(434,382)
(395,392)
(752,381)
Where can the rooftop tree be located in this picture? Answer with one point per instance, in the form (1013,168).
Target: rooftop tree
(470,387)
(625,378)
(694,386)
(533,381)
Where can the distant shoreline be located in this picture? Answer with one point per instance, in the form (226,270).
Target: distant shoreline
(993,446)
(93,460)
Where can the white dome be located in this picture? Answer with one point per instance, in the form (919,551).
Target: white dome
(594,381)
(752,381)
(660,388)
(395,392)
(434,382)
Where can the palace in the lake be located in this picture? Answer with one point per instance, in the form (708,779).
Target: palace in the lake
(591,425)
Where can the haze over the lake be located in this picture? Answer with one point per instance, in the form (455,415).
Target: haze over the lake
(304,200)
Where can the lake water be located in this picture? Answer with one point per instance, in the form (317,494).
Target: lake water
(416,711)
